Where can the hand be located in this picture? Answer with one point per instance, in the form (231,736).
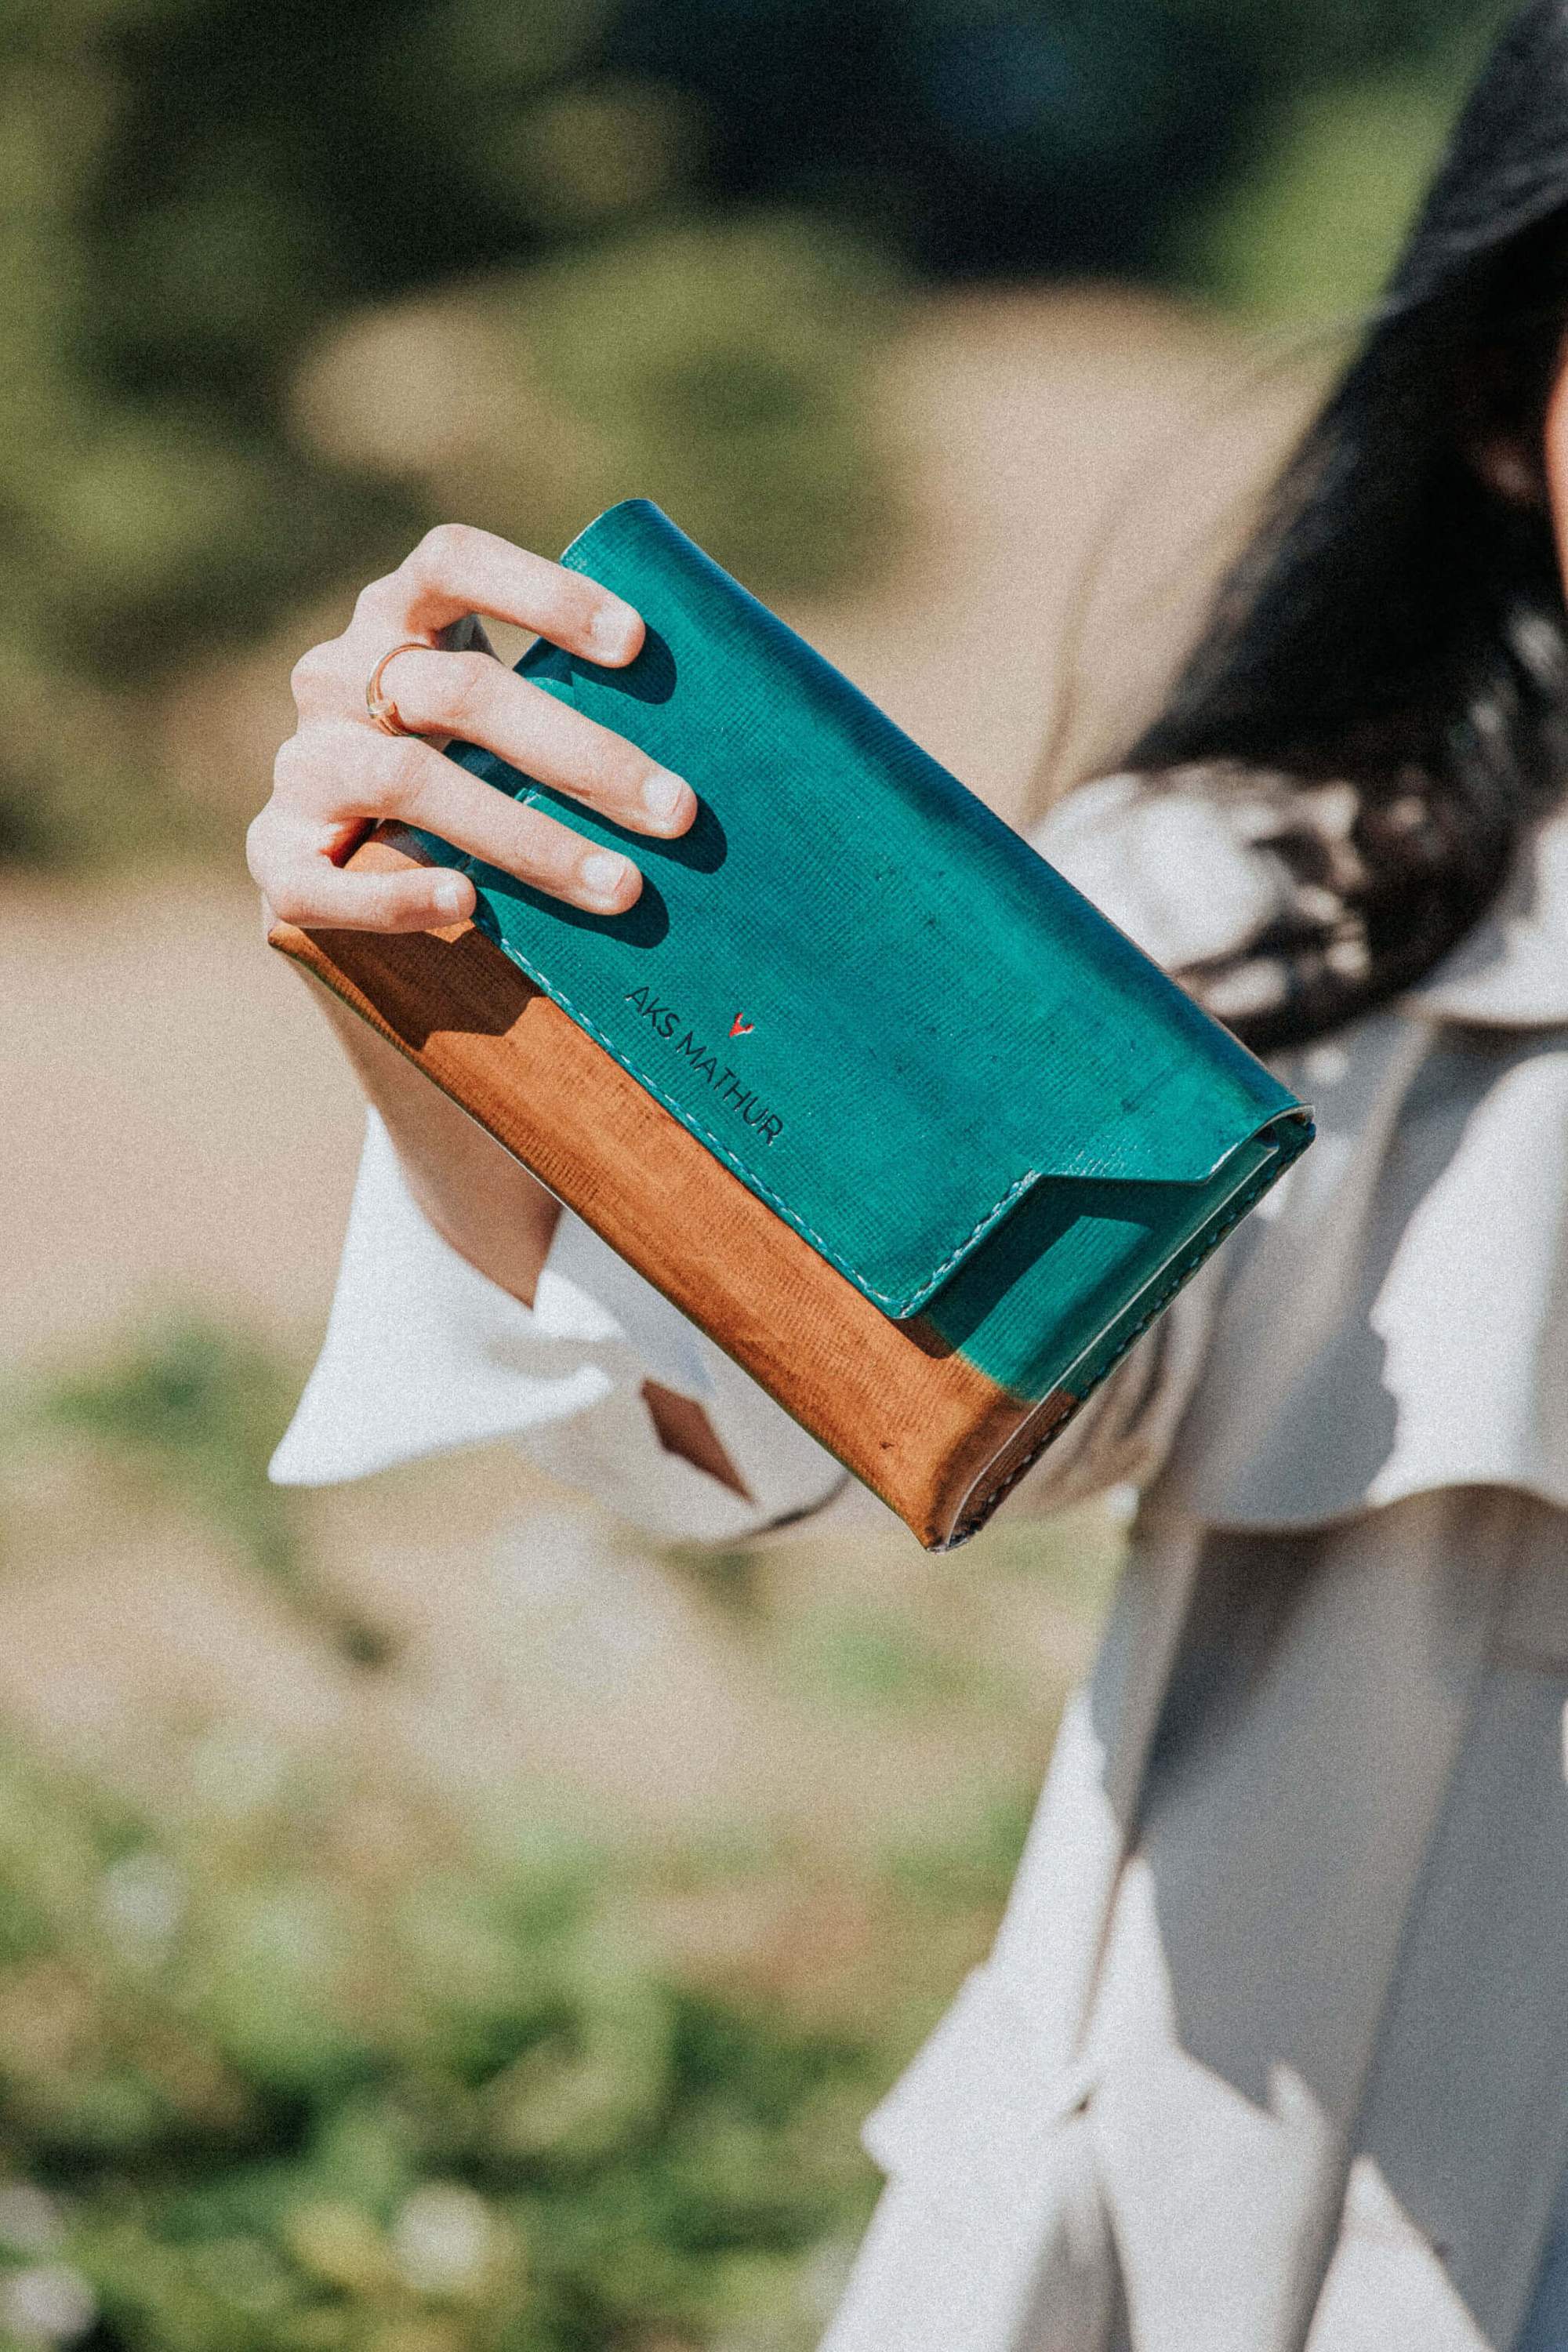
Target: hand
(339,772)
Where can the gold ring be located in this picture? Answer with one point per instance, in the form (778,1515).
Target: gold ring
(381,706)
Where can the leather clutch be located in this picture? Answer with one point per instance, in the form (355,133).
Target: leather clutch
(861,1083)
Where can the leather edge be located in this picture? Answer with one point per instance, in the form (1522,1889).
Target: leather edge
(914,1420)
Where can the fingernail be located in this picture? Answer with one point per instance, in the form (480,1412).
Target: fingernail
(451,895)
(668,797)
(605,875)
(615,633)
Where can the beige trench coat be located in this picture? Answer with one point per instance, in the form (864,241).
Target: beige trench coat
(1271,2054)
(1272,2051)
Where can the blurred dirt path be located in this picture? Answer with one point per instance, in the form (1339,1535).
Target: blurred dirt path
(176,1124)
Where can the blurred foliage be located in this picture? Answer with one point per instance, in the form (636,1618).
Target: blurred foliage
(195,1409)
(192,196)
(1312,230)
(1312,235)
(1015,137)
(672,236)
(875,1656)
(255,2095)
(201,1409)
(713,363)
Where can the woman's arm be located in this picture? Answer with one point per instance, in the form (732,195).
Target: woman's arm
(487,1207)
(481,1201)
(342,771)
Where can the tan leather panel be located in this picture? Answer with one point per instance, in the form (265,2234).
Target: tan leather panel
(920,1424)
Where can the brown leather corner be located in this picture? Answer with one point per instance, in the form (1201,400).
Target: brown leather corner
(920,1424)
(1036,1430)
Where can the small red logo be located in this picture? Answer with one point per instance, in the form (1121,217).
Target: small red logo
(742,1028)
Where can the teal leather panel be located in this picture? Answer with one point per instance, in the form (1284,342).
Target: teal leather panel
(863,991)
(1046,1301)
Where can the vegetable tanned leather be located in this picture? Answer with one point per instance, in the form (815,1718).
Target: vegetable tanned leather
(861,1083)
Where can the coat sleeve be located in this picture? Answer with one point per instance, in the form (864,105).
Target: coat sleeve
(423,1353)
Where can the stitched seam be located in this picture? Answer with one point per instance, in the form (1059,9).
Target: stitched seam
(896,1304)
(1182,1275)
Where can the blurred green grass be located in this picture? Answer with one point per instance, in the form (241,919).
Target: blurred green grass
(262,2098)
(297,2052)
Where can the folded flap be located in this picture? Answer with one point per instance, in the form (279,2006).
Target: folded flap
(858,987)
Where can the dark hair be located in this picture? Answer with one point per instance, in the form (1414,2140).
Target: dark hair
(1398,623)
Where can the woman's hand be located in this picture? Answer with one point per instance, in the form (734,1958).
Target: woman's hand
(339,772)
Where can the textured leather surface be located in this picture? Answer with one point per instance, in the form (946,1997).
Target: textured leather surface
(867,997)
(920,1425)
(1043,1305)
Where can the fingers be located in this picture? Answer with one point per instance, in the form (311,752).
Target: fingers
(339,772)
(457,570)
(331,778)
(312,891)
(537,848)
(470,696)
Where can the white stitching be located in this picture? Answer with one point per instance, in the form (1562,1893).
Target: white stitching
(895,1306)
(898,1307)
(1267,1177)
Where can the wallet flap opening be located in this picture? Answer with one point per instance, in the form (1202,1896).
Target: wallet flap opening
(862,990)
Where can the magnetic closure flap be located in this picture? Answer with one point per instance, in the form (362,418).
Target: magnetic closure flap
(861,990)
